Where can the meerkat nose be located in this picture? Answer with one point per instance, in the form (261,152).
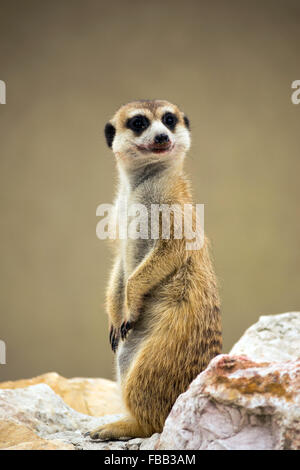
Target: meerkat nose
(161,139)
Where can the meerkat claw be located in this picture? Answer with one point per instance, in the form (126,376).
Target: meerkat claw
(115,343)
(114,338)
(111,335)
(125,327)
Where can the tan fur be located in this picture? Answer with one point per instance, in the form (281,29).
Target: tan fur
(170,296)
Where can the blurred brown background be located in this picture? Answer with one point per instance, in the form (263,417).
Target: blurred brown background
(68,64)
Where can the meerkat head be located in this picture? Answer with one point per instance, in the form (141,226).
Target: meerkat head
(148,130)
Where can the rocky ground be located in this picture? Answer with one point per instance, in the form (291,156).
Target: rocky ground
(248,399)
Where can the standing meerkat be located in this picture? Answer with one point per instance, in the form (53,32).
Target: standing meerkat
(162,299)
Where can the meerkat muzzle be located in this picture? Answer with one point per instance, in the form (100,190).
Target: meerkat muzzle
(161,144)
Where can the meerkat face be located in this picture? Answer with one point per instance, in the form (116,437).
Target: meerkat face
(145,130)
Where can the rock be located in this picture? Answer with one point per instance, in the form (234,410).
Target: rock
(150,443)
(95,397)
(15,436)
(41,419)
(272,338)
(44,412)
(237,404)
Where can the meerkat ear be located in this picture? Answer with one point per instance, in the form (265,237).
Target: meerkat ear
(186,122)
(110,132)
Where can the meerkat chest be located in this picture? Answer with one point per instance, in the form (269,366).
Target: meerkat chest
(134,213)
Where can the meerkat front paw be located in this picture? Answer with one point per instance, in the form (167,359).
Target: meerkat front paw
(125,328)
(133,302)
(116,334)
(133,309)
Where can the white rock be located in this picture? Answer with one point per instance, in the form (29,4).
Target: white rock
(237,404)
(43,411)
(150,443)
(272,338)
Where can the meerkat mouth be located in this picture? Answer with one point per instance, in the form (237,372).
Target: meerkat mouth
(162,148)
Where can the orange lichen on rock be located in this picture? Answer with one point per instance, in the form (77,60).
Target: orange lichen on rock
(272,383)
(232,363)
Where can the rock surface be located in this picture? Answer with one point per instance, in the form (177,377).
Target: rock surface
(37,417)
(14,436)
(237,404)
(272,338)
(95,397)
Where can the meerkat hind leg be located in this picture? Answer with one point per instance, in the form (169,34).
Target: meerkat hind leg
(121,429)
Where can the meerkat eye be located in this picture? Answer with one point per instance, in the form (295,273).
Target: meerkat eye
(169,120)
(138,123)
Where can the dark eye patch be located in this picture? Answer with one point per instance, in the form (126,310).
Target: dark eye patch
(110,132)
(186,122)
(138,123)
(170,120)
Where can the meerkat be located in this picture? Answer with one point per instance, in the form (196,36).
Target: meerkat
(162,299)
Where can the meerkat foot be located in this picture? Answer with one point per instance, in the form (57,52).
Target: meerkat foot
(126,428)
